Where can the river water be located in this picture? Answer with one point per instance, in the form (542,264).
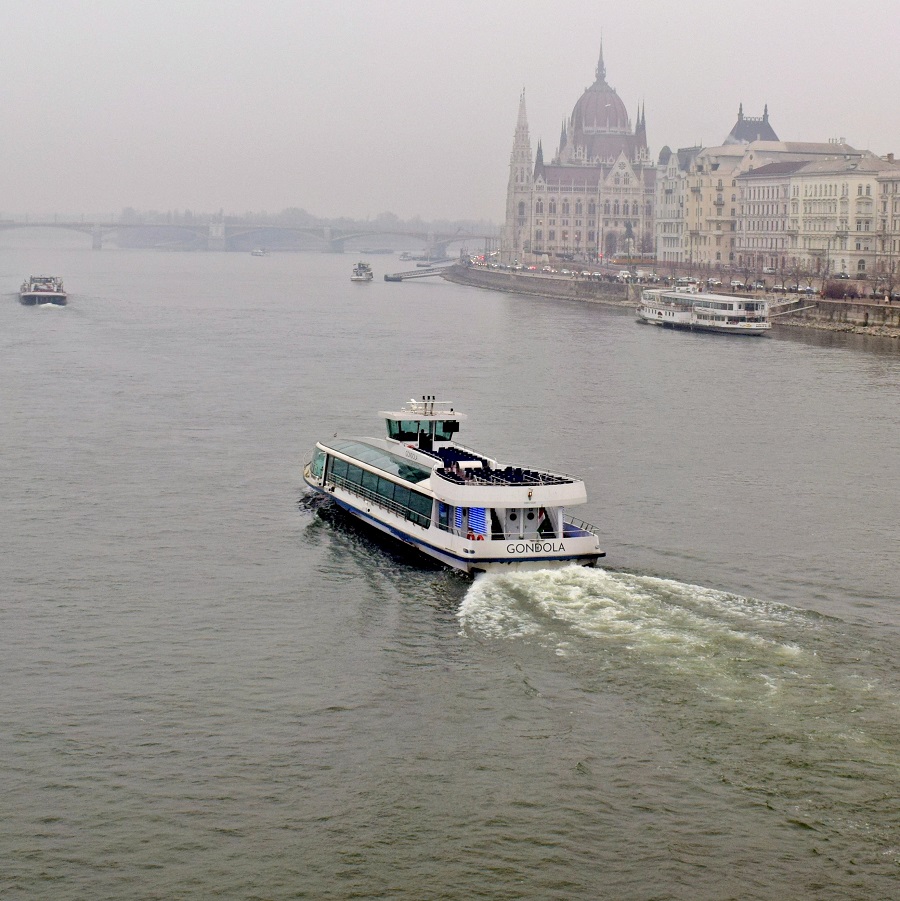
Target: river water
(211,687)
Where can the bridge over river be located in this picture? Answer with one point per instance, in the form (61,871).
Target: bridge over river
(227,236)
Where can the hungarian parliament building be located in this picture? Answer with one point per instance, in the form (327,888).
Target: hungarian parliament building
(753,203)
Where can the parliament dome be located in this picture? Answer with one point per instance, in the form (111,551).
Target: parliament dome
(600,110)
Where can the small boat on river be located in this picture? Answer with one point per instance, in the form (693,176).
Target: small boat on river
(684,308)
(362,272)
(40,289)
(465,509)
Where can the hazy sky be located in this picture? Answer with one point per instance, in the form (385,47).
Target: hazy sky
(356,108)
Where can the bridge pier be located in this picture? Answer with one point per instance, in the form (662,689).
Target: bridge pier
(335,245)
(216,238)
(96,238)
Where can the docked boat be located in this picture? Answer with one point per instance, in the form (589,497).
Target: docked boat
(362,272)
(452,503)
(681,308)
(259,252)
(40,289)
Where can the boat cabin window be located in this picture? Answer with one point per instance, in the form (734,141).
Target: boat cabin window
(445,429)
(414,506)
(318,464)
(403,429)
(409,429)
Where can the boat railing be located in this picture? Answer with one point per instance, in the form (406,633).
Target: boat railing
(559,475)
(512,477)
(403,510)
(578,524)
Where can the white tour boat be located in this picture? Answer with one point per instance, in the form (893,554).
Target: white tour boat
(679,308)
(259,252)
(465,509)
(38,289)
(362,272)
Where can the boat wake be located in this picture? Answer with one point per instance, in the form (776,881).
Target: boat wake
(632,609)
(721,644)
(313,502)
(783,703)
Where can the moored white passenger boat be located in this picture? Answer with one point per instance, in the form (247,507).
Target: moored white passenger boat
(40,289)
(467,510)
(733,314)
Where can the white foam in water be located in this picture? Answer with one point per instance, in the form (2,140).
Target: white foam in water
(675,624)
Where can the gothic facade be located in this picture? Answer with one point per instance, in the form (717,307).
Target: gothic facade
(595,198)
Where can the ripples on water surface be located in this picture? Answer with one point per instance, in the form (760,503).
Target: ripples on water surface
(208,690)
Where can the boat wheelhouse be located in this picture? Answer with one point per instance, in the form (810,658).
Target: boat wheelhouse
(450,502)
(40,289)
(731,314)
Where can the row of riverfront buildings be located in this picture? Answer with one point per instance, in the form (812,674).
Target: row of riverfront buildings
(754,203)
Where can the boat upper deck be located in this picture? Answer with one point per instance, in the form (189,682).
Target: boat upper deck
(52,283)
(459,465)
(694,300)
(462,467)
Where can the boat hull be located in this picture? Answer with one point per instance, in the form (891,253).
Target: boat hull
(36,298)
(655,318)
(747,330)
(468,555)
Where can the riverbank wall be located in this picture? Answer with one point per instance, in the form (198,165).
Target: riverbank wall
(539,285)
(863,317)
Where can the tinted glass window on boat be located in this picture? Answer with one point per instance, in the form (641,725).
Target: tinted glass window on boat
(338,468)
(403,429)
(444,430)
